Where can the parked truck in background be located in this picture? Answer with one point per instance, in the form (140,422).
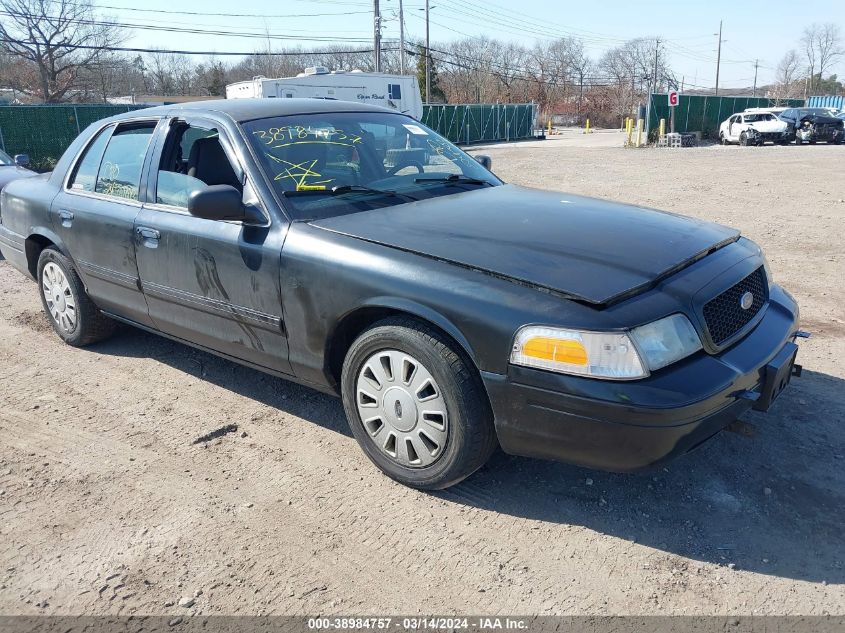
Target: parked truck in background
(399,92)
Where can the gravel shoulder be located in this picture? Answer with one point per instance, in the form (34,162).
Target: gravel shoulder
(113,503)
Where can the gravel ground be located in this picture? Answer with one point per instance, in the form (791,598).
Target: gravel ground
(110,505)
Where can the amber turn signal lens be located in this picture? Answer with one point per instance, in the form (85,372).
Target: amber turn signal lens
(561,351)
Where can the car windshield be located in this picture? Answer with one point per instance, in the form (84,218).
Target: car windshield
(336,163)
(5,159)
(813,112)
(754,118)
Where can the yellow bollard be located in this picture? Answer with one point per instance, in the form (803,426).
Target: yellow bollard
(639,132)
(587,129)
(629,131)
(662,128)
(550,127)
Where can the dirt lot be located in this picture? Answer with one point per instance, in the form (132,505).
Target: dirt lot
(109,506)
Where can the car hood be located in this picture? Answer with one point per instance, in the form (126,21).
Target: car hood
(591,250)
(769,126)
(820,119)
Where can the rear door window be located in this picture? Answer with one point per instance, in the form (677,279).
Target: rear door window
(120,170)
(85,175)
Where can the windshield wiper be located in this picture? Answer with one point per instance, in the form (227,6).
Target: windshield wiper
(342,189)
(455,178)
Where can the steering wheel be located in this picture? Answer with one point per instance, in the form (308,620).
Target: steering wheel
(411,163)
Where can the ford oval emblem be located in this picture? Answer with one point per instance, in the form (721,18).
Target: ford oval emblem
(746,301)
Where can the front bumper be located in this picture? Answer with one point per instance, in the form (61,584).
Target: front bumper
(630,426)
(770,137)
(826,134)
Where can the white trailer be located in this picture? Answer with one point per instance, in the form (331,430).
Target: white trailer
(400,92)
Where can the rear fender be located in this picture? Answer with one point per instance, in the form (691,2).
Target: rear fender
(37,234)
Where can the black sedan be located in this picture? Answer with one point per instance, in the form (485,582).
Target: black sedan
(810,125)
(352,249)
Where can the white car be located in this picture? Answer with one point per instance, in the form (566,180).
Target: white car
(753,128)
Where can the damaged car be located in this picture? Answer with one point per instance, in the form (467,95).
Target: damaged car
(353,249)
(811,125)
(753,128)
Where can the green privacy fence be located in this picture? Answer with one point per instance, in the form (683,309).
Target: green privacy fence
(482,122)
(704,114)
(45,131)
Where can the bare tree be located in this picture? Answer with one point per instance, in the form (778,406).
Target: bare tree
(788,80)
(170,74)
(822,47)
(59,37)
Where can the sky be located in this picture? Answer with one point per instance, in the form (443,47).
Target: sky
(751,31)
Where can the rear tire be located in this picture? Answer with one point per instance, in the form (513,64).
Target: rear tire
(71,312)
(416,405)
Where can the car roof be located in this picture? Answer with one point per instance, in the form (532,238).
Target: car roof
(241,110)
(769,110)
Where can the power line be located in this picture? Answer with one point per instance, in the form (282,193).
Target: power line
(215,14)
(194,31)
(167,51)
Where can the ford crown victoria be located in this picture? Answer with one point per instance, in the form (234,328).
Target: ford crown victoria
(352,249)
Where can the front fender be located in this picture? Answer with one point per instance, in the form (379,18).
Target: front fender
(423,312)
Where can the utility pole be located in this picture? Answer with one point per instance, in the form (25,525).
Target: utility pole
(656,51)
(652,88)
(376,36)
(401,39)
(754,90)
(718,58)
(427,57)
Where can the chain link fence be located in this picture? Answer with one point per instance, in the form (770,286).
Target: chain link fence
(481,123)
(45,131)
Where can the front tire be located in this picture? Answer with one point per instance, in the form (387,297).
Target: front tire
(416,405)
(71,312)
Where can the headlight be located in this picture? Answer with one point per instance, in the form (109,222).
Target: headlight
(598,354)
(767,268)
(665,341)
(609,355)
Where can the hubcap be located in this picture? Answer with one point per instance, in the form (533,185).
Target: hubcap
(61,304)
(402,408)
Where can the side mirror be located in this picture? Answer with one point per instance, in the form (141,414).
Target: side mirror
(484,160)
(218,202)
(21,160)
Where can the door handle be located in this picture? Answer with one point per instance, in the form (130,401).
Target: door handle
(148,234)
(149,237)
(66,217)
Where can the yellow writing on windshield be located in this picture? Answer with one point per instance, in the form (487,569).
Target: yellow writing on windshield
(297,135)
(299,173)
